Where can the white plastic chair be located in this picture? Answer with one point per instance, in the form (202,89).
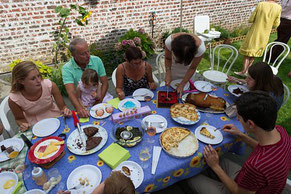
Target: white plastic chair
(276,64)
(218,75)
(202,23)
(4,109)
(286,94)
(113,77)
(288,184)
(160,65)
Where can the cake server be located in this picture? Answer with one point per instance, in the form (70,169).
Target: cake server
(156,157)
(77,125)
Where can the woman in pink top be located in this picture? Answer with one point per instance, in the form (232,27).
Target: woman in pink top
(32,98)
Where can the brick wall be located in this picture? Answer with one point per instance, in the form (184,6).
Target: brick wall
(26,26)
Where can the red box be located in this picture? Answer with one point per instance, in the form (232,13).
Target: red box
(164,102)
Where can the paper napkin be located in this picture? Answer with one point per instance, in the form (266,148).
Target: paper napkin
(113,155)
(84,120)
(114,102)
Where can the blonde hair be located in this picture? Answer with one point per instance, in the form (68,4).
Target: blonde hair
(118,183)
(19,72)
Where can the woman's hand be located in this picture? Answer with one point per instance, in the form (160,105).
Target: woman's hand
(67,112)
(121,95)
(152,85)
(180,89)
(24,126)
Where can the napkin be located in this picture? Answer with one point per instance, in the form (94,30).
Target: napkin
(84,120)
(114,102)
(113,155)
(156,157)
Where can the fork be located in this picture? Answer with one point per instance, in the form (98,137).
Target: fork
(76,187)
(217,129)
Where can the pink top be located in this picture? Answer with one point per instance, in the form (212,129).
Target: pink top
(86,94)
(42,108)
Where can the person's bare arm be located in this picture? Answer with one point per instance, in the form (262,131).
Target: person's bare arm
(152,84)
(168,66)
(119,82)
(230,128)
(60,101)
(82,112)
(104,87)
(212,160)
(18,115)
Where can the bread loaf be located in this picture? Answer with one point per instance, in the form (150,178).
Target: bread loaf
(213,102)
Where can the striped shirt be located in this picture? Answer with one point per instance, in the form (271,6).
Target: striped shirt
(266,169)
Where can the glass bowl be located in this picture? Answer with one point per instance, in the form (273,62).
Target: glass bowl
(128,134)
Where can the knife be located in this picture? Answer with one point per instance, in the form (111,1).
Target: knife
(77,125)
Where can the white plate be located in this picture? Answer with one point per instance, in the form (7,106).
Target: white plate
(92,173)
(215,76)
(140,93)
(17,142)
(5,176)
(101,106)
(35,191)
(203,86)
(75,137)
(128,103)
(46,127)
(218,136)
(174,84)
(154,119)
(233,87)
(136,172)
(185,121)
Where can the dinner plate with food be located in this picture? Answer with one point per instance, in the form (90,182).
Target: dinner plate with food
(185,114)
(88,176)
(128,104)
(203,86)
(8,182)
(95,137)
(132,170)
(175,83)
(46,127)
(208,134)
(101,111)
(7,148)
(179,142)
(237,90)
(205,102)
(143,94)
(46,150)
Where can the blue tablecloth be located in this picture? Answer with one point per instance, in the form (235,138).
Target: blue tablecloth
(169,170)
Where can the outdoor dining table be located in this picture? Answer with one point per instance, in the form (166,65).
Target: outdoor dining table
(169,170)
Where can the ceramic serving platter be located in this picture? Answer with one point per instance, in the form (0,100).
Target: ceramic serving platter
(74,140)
(185,121)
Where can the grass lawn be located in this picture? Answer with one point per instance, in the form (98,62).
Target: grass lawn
(284,115)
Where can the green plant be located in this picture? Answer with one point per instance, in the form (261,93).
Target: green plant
(225,34)
(166,34)
(56,76)
(63,33)
(44,70)
(135,38)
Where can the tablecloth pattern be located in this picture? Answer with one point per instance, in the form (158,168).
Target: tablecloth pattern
(169,171)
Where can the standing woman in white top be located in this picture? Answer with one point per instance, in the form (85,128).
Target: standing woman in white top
(183,53)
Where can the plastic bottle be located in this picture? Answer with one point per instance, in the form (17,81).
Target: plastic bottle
(39,176)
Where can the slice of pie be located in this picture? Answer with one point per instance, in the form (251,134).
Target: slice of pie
(91,131)
(206,133)
(92,142)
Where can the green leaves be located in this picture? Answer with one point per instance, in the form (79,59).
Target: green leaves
(79,22)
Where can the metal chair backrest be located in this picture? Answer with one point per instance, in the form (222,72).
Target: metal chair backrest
(201,23)
(160,65)
(4,109)
(278,61)
(229,62)
(286,94)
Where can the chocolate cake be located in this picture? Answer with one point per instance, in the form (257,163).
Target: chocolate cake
(92,142)
(166,101)
(238,91)
(90,131)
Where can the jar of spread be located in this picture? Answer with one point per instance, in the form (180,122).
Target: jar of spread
(39,176)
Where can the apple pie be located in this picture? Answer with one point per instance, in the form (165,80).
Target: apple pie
(173,136)
(186,110)
(206,133)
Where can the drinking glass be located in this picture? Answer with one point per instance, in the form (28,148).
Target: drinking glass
(145,154)
(53,173)
(150,131)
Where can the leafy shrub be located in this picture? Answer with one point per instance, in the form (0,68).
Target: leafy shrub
(135,38)
(166,34)
(57,77)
